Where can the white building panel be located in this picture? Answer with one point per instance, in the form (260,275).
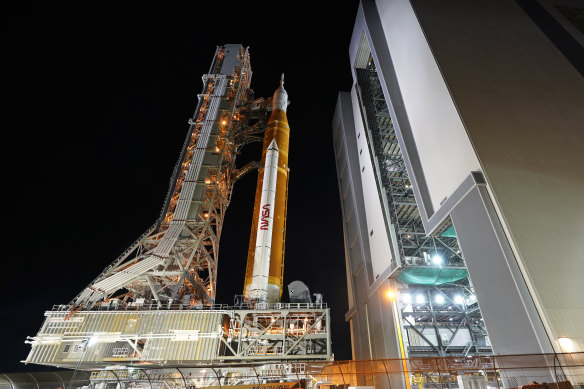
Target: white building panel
(446,154)
(376,230)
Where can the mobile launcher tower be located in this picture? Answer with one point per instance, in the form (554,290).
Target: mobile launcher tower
(154,306)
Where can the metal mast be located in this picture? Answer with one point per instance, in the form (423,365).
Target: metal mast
(176,259)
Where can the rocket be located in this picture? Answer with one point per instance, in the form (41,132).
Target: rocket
(258,289)
(265,257)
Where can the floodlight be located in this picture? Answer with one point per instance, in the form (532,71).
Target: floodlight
(437,259)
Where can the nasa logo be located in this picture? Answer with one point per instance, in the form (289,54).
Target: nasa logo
(264,217)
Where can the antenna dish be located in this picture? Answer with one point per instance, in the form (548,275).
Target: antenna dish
(299,292)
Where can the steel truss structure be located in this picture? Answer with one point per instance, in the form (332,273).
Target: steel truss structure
(155,304)
(287,376)
(181,337)
(451,327)
(447,317)
(176,259)
(283,334)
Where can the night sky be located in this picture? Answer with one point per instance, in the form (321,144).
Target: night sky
(98,103)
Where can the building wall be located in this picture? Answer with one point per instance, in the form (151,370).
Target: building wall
(371,313)
(488,115)
(379,246)
(444,150)
(522,103)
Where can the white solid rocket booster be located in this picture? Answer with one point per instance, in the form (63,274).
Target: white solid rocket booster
(263,248)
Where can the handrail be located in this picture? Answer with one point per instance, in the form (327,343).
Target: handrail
(153,305)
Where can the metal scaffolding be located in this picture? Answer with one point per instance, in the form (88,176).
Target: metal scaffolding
(179,336)
(176,259)
(445,319)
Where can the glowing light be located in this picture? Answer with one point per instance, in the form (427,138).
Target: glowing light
(92,341)
(437,259)
(224,122)
(420,299)
(567,345)
(406,298)
(439,299)
(458,299)
(390,294)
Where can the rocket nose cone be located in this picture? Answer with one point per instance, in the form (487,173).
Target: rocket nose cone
(273,145)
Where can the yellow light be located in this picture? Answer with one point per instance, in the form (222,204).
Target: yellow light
(390,294)
(224,122)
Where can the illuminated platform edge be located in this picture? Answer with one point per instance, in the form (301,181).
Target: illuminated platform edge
(187,337)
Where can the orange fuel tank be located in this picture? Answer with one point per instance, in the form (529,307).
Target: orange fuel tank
(278,130)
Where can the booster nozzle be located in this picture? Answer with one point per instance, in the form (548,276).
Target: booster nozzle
(280,97)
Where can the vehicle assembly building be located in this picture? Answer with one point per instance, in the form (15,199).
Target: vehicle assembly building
(459,152)
(155,304)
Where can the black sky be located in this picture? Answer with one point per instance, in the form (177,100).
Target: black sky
(98,103)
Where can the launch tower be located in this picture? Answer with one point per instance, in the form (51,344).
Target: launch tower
(155,304)
(175,261)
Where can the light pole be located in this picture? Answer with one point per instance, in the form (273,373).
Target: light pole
(85,343)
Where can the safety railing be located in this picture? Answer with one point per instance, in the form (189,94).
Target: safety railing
(154,305)
(528,371)
(531,371)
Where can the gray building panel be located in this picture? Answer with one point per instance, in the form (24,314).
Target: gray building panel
(510,316)
(522,103)
(516,198)
(371,321)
